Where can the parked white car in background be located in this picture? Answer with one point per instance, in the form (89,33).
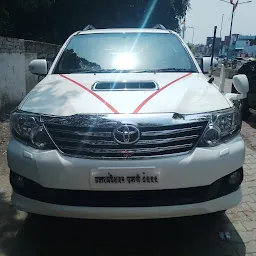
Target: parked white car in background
(125,125)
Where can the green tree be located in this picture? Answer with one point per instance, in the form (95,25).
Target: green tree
(54,20)
(12,12)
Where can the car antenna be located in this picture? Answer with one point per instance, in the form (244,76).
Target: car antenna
(213,48)
(210,81)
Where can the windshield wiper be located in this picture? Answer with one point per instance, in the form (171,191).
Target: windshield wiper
(172,70)
(78,71)
(130,70)
(161,70)
(116,71)
(112,70)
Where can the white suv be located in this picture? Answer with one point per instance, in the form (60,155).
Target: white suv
(125,125)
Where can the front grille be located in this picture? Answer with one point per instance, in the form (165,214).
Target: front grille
(96,140)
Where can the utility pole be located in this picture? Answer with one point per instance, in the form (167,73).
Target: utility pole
(192,34)
(213,49)
(183,28)
(234,6)
(221,26)
(230,32)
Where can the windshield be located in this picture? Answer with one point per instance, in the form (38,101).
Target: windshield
(125,52)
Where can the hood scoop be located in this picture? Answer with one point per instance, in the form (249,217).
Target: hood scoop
(125,86)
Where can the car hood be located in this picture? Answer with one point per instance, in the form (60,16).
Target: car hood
(184,93)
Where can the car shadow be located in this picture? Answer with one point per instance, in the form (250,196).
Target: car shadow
(248,132)
(179,236)
(11,221)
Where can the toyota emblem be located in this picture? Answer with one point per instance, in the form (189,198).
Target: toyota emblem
(126,134)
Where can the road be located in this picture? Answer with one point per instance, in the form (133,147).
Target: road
(22,235)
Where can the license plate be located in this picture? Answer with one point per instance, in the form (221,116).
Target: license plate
(125,178)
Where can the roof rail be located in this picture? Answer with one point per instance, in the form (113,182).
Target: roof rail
(89,27)
(160,26)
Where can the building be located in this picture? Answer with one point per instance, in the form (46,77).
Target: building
(218,45)
(241,45)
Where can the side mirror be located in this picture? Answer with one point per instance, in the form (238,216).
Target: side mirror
(205,64)
(241,84)
(38,67)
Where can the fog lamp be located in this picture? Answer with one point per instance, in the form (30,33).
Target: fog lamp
(18,181)
(235,178)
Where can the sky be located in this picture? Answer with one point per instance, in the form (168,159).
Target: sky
(205,14)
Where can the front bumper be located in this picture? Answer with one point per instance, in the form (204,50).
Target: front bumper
(198,170)
(136,198)
(33,206)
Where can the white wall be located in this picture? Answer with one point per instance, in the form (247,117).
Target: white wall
(12,78)
(15,79)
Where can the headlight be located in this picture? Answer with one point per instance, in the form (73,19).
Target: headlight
(222,126)
(28,129)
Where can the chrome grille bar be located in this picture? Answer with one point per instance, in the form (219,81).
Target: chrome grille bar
(113,143)
(85,134)
(91,136)
(169,132)
(134,150)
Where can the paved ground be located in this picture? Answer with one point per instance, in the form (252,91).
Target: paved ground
(228,84)
(20,235)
